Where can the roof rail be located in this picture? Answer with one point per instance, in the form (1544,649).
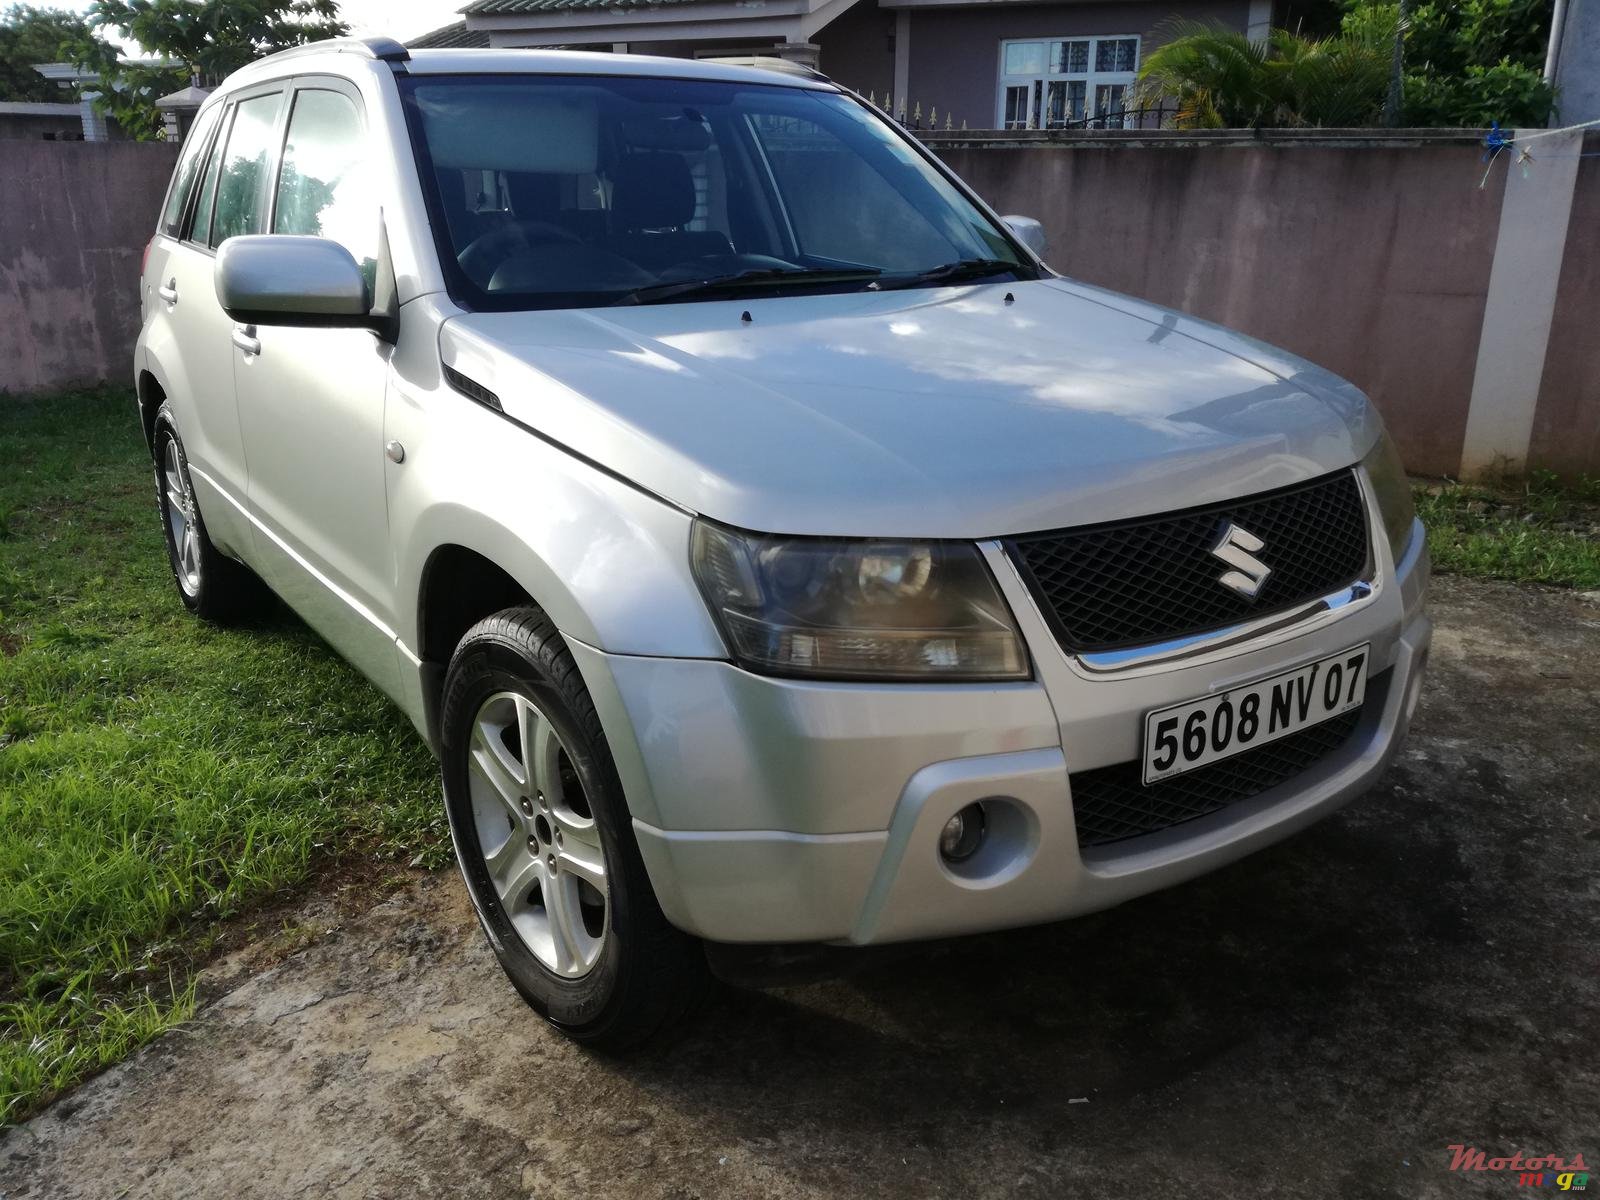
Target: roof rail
(381,49)
(386,49)
(769,62)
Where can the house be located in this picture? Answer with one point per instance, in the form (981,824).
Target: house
(43,119)
(79,119)
(984,63)
(451,37)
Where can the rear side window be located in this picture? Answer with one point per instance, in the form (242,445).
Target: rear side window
(200,227)
(241,184)
(188,167)
(324,188)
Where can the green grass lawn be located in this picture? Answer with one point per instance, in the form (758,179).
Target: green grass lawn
(1540,531)
(158,776)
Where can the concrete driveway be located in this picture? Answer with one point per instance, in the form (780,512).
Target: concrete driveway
(1325,1019)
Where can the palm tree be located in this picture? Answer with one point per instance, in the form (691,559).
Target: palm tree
(1221,79)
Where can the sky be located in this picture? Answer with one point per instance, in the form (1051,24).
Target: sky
(399,19)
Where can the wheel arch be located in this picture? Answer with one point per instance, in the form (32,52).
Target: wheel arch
(458,588)
(162,376)
(459,583)
(151,397)
(609,582)
(464,562)
(485,517)
(471,568)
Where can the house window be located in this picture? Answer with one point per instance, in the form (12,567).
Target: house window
(1048,84)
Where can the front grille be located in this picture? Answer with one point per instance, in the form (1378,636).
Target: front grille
(1112,803)
(1104,587)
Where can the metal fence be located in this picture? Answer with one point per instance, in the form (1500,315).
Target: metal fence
(1161,115)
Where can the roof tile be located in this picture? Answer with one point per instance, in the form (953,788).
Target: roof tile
(509,8)
(451,37)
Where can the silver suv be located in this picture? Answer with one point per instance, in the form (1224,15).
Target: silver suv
(770,545)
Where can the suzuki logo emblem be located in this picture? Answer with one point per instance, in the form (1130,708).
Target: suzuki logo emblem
(1237,547)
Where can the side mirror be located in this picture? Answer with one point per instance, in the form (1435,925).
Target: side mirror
(279,279)
(1029,232)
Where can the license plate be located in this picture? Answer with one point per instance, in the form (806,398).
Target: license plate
(1186,736)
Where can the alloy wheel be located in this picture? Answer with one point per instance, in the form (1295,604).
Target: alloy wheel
(181,519)
(538,835)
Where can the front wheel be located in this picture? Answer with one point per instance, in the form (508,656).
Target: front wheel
(542,835)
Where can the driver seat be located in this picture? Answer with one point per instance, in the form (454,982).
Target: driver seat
(652,199)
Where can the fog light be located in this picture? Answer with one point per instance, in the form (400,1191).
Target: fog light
(962,834)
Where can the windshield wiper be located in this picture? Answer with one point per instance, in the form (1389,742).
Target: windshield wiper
(757,277)
(953,272)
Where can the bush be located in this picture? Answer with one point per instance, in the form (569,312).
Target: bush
(1222,79)
(1468,63)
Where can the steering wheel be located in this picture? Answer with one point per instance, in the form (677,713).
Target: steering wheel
(487,251)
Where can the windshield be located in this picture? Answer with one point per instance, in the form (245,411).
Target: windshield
(573,191)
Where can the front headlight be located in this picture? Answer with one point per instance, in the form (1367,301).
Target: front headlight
(1393,492)
(857,609)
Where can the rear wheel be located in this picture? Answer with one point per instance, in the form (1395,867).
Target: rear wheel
(210,584)
(542,835)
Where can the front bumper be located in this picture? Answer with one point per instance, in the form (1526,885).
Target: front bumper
(772,810)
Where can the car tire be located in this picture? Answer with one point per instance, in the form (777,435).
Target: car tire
(544,841)
(211,585)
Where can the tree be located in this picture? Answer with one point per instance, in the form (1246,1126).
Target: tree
(1468,62)
(30,35)
(1223,79)
(194,40)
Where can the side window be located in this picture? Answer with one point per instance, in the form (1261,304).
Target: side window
(324,188)
(188,167)
(200,227)
(241,185)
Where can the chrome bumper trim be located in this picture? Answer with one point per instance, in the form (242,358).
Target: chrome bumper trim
(1216,639)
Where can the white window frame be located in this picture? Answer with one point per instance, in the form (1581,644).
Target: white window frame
(1091,79)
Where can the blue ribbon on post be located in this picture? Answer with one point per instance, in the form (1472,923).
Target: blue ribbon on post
(1494,141)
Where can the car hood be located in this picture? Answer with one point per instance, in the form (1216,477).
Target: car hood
(951,412)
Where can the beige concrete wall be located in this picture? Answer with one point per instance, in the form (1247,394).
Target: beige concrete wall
(74,221)
(1369,256)
(1566,423)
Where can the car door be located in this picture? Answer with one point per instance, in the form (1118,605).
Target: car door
(311,400)
(189,335)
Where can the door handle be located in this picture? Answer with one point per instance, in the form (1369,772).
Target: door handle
(244,337)
(170,292)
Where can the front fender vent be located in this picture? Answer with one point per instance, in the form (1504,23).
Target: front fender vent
(471,388)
